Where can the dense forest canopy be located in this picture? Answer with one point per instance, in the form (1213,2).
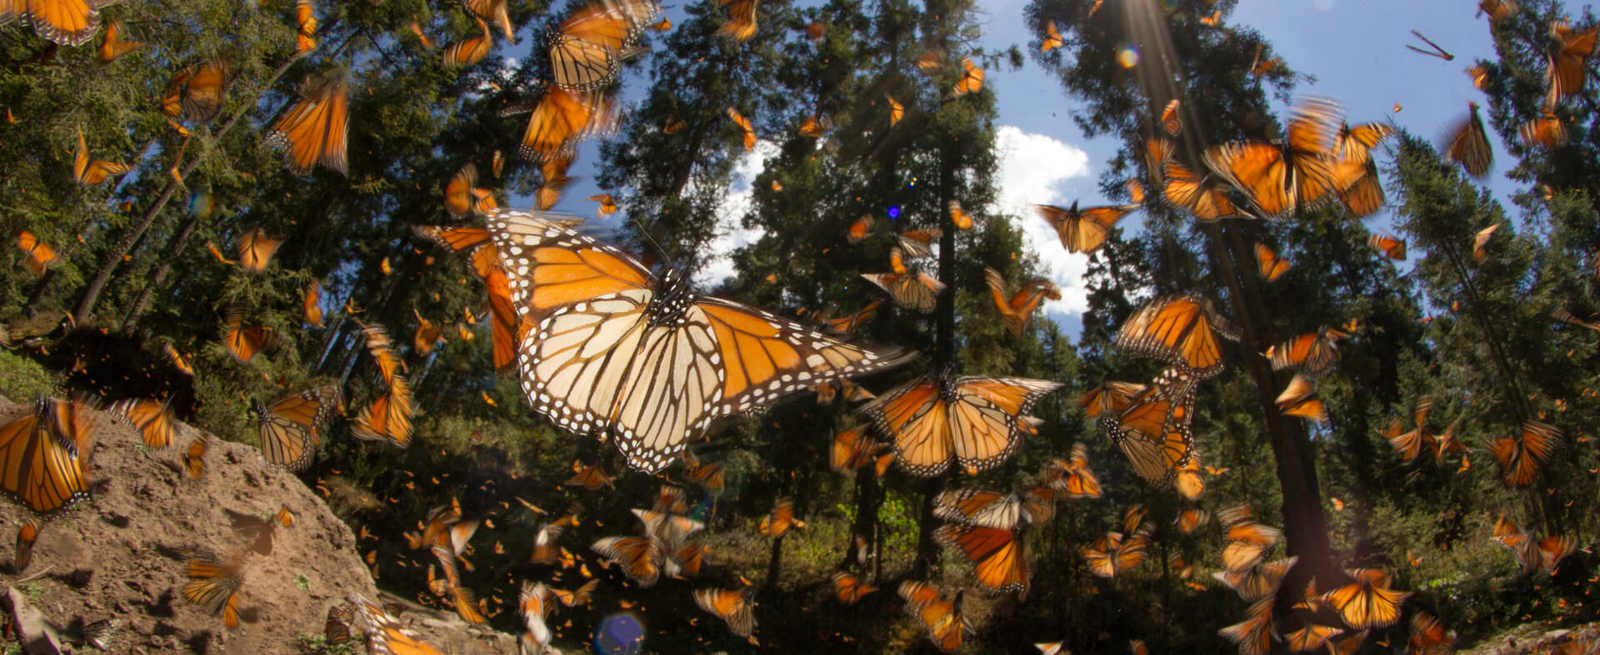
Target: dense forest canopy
(325,229)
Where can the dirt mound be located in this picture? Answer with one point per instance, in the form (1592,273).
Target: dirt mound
(121,554)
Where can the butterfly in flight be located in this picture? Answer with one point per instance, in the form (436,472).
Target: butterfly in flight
(615,350)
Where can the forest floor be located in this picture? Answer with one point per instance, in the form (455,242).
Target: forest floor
(121,554)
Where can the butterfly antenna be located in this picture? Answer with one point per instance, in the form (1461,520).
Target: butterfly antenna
(644,232)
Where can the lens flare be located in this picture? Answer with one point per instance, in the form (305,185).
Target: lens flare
(1127,55)
(201,204)
(619,634)
(894,212)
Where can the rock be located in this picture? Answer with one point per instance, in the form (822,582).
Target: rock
(33,630)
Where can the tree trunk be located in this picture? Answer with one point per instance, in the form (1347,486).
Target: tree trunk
(170,255)
(868,500)
(944,352)
(124,244)
(1305,526)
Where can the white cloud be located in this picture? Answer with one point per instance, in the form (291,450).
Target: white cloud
(731,234)
(1033,168)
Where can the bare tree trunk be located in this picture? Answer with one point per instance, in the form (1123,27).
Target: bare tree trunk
(168,257)
(125,243)
(1305,526)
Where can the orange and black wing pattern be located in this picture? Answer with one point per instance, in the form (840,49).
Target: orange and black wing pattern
(1083,230)
(316,129)
(1182,330)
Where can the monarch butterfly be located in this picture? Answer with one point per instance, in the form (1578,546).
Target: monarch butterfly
(942,619)
(1083,230)
(1182,330)
(306,27)
(1072,478)
(458,200)
(849,588)
(1348,645)
(1052,38)
(919,243)
(560,120)
(974,420)
(1254,635)
(256,250)
(313,306)
(27,534)
(242,342)
(64,23)
(1546,130)
(959,217)
(546,550)
(1247,544)
(1367,602)
(213,585)
(1259,581)
(748,132)
(289,427)
(1206,197)
(91,172)
(463,599)
(1169,118)
(1017,311)
(777,522)
(493,10)
(1192,519)
(710,476)
(1358,187)
(1520,457)
(816,125)
(1409,444)
(1480,242)
(1300,399)
(1497,9)
(38,256)
(897,111)
(1356,143)
(1428,633)
(998,555)
(741,19)
(1278,177)
(1153,432)
(1157,151)
(153,419)
(588,477)
(1052,648)
(1468,144)
(971,78)
(384,634)
(909,285)
(114,46)
(102,634)
(1479,75)
(387,419)
(196,92)
(470,51)
(427,335)
(1391,246)
(284,516)
(733,606)
(1111,554)
(336,629)
(1109,396)
(1259,66)
(555,181)
(590,44)
(580,596)
(636,555)
(534,604)
(1565,71)
(852,449)
(680,373)
(608,206)
(316,129)
(1272,267)
(1312,353)
(848,324)
(981,508)
(382,350)
(194,462)
(1176,562)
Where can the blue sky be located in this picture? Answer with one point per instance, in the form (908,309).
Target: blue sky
(1355,49)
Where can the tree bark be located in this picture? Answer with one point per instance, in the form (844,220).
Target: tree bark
(1305,526)
(168,256)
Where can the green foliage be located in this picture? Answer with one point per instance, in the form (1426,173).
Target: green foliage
(23,379)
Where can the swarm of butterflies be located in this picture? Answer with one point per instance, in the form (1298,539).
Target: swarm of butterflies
(606,347)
